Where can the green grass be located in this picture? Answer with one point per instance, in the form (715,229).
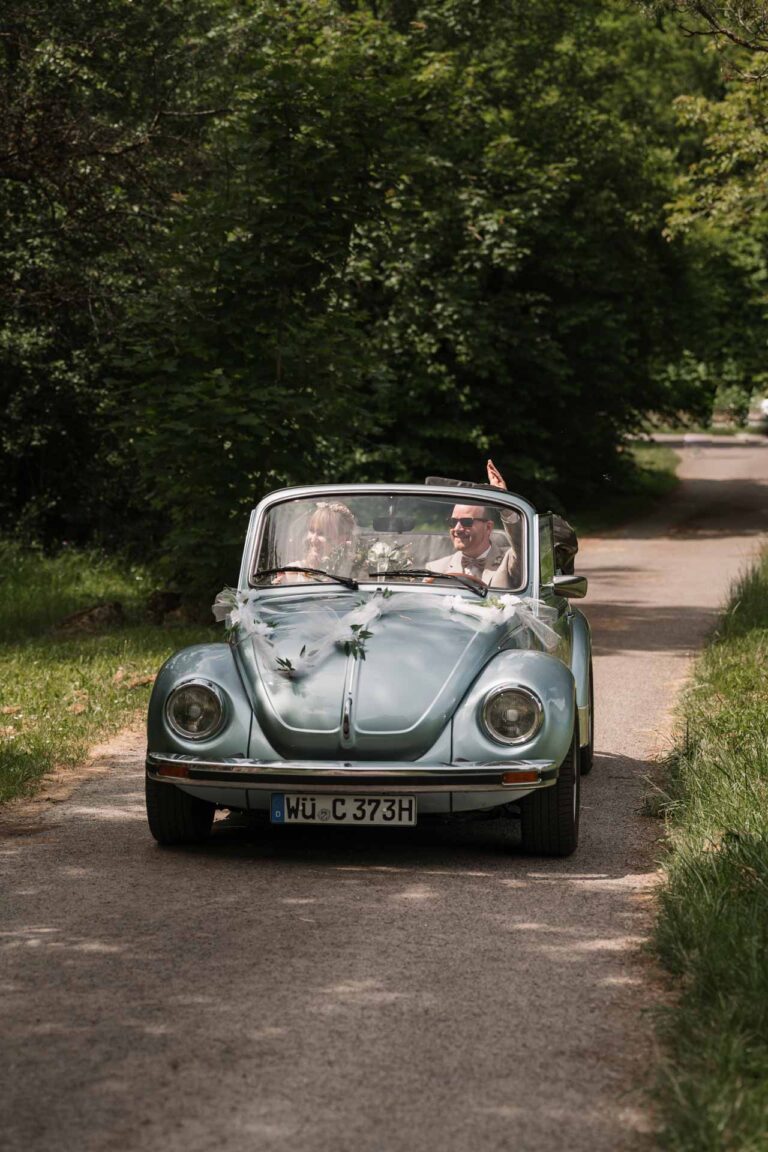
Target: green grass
(712,930)
(59,695)
(650,475)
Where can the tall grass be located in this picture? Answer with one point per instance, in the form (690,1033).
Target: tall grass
(37,591)
(712,930)
(59,694)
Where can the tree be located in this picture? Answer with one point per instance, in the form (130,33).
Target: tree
(103,111)
(245,363)
(719,206)
(521,273)
(260,242)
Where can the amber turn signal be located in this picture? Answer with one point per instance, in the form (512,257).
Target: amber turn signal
(520,778)
(169,769)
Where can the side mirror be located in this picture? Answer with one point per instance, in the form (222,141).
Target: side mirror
(574,587)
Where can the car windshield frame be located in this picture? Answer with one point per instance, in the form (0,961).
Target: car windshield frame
(497,499)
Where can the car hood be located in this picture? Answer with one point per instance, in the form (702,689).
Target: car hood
(342,676)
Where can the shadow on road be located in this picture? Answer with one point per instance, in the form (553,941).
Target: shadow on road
(703,509)
(634,627)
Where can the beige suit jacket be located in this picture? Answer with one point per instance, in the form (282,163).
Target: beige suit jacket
(499,563)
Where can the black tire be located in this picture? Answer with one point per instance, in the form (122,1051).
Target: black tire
(550,817)
(588,751)
(174,816)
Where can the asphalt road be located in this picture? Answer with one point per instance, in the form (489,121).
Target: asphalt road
(428,989)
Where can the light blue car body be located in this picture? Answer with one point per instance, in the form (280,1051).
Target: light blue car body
(407,717)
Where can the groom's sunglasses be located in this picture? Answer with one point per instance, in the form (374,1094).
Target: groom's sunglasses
(465,521)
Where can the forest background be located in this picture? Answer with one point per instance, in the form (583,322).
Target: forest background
(249,243)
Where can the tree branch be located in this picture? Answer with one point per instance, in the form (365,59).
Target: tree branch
(719,29)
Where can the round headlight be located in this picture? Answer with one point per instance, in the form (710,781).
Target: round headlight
(195,710)
(512,715)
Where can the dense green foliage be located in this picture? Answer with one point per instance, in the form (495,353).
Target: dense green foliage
(712,932)
(258,242)
(94,134)
(719,208)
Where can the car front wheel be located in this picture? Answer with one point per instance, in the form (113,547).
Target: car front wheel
(550,817)
(175,817)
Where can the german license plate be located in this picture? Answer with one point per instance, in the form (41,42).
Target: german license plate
(306,808)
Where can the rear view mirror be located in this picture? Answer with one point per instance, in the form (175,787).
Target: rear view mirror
(393,524)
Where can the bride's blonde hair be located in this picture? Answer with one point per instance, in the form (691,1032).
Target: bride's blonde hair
(333,519)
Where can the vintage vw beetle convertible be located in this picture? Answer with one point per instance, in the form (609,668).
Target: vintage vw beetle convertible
(359,685)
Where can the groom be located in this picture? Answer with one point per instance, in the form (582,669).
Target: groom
(475,552)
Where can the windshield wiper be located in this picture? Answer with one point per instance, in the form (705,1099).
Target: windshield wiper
(426,573)
(347,581)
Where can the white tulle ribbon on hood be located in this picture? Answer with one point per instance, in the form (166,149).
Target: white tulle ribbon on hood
(349,630)
(482,615)
(247,615)
(239,610)
(243,613)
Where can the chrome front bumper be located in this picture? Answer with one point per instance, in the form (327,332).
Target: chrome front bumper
(342,776)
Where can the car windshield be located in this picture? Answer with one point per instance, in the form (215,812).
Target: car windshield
(372,537)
